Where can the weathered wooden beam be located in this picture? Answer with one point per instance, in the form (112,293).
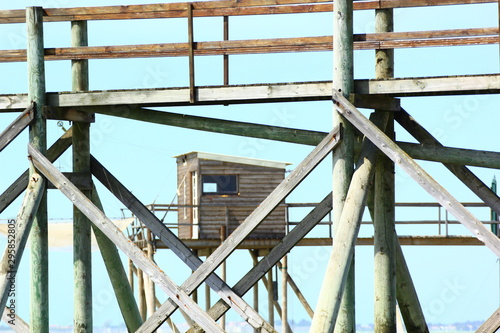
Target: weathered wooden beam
(417,39)
(263,93)
(53,153)
(179,248)
(284,296)
(123,290)
(272,258)
(384,200)
(16,324)
(82,230)
(273,303)
(218,8)
(491,324)
(17,237)
(406,163)
(69,114)
(113,233)
(344,239)
(16,127)
(277,133)
(406,295)
(39,305)
(482,190)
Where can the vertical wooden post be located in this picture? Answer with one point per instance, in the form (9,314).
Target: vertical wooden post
(194,295)
(226,57)
(192,92)
(270,297)
(255,260)
(39,318)
(141,295)
(82,259)
(343,167)
(151,294)
(131,274)
(284,295)
(384,202)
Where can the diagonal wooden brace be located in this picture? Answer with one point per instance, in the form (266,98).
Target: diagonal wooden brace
(405,162)
(100,220)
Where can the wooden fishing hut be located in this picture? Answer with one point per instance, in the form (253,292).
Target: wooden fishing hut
(217,192)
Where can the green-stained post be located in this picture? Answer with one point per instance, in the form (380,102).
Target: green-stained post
(38,137)
(407,298)
(343,166)
(117,275)
(384,202)
(343,157)
(82,259)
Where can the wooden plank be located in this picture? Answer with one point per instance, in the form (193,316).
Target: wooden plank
(258,46)
(16,127)
(214,8)
(282,92)
(417,173)
(463,173)
(113,233)
(16,324)
(179,248)
(278,251)
(17,237)
(491,324)
(53,153)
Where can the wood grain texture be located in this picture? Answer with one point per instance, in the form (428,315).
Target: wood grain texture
(418,174)
(16,127)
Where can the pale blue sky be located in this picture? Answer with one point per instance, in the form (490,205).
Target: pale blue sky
(454,283)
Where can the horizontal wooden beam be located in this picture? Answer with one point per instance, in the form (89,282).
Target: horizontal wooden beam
(215,8)
(262,93)
(391,40)
(16,127)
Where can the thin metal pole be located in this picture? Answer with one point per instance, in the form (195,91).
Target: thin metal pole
(82,252)
(39,317)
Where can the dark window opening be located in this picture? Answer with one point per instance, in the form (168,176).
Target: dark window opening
(220,184)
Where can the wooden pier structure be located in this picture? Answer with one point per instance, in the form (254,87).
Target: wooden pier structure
(365,152)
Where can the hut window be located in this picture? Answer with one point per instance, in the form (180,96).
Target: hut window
(220,184)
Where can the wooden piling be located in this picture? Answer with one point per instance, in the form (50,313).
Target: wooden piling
(82,258)
(270,297)
(207,287)
(284,295)
(255,260)
(223,271)
(343,165)
(39,312)
(384,202)
(150,285)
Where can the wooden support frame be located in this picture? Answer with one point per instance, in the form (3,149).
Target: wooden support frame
(180,249)
(113,233)
(16,127)
(388,147)
(462,172)
(20,184)
(257,216)
(272,258)
(192,83)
